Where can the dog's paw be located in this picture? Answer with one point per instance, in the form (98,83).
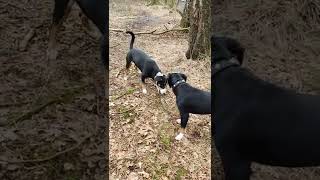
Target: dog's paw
(162,91)
(179,137)
(144,91)
(179,121)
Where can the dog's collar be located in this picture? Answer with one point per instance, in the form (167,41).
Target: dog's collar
(224,65)
(177,83)
(158,74)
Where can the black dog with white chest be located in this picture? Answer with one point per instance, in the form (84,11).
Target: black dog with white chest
(147,66)
(256,121)
(188,99)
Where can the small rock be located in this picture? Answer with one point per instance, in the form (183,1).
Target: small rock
(12,167)
(133,176)
(68,166)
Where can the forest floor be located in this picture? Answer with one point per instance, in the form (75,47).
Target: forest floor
(49,127)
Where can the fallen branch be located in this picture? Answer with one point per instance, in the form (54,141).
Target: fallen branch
(114,46)
(70,94)
(117,30)
(124,94)
(125,111)
(118,73)
(24,43)
(169,30)
(148,32)
(14,104)
(152,32)
(50,157)
(33,111)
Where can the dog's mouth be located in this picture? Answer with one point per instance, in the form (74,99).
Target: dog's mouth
(161,90)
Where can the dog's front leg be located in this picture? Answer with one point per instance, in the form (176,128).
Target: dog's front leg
(184,120)
(235,167)
(61,10)
(143,84)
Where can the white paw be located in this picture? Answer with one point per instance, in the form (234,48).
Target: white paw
(163,91)
(144,91)
(178,121)
(179,137)
(125,78)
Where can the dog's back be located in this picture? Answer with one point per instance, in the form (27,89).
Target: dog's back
(136,55)
(194,100)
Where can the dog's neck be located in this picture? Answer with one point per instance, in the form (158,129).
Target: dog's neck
(223,65)
(175,85)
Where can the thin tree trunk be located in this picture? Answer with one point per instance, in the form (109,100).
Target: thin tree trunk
(200,28)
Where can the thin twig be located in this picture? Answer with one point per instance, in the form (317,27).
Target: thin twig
(50,157)
(24,43)
(15,104)
(118,73)
(114,46)
(152,32)
(125,111)
(147,32)
(117,30)
(180,29)
(124,94)
(62,98)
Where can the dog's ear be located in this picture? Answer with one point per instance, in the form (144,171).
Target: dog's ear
(165,78)
(184,76)
(236,49)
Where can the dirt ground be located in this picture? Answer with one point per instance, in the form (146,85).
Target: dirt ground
(143,127)
(282,41)
(49,127)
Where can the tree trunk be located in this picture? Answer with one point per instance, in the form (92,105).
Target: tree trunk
(185,15)
(200,28)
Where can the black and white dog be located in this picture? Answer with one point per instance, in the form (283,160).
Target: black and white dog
(256,121)
(147,66)
(188,99)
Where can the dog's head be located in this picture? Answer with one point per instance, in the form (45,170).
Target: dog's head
(161,82)
(225,48)
(173,78)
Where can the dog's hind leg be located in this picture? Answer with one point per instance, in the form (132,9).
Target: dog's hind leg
(61,11)
(143,84)
(184,120)
(128,64)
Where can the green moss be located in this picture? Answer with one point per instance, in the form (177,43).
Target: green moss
(180,173)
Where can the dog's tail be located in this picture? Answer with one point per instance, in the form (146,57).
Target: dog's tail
(132,40)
